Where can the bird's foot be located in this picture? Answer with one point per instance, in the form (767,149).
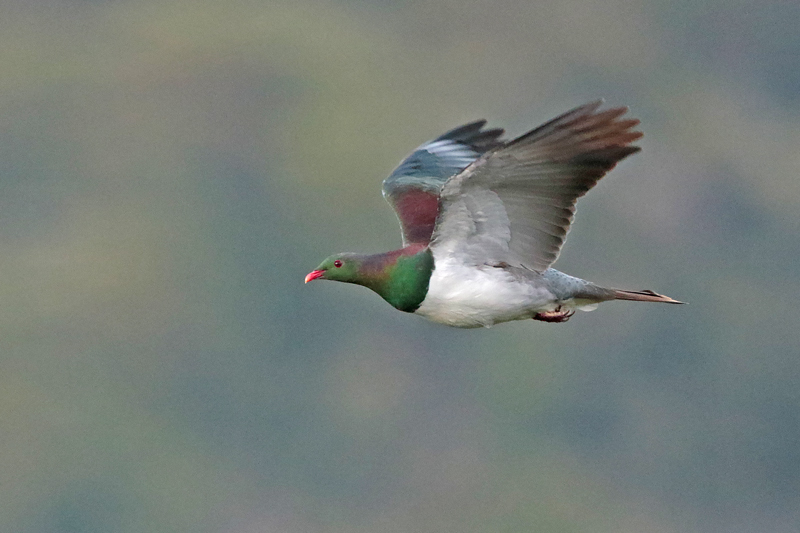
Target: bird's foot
(558,315)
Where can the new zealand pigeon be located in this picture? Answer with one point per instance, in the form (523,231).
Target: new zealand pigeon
(483,219)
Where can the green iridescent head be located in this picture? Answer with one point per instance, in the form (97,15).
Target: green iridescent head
(400,277)
(339,267)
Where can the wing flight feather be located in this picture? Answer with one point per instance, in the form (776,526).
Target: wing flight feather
(413,188)
(530,186)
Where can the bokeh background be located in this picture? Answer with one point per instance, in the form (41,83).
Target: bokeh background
(170,170)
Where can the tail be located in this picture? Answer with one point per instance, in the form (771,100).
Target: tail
(643,296)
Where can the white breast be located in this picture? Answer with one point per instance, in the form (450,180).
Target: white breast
(468,297)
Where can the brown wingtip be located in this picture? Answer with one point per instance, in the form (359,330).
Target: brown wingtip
(644,296)
(584,133)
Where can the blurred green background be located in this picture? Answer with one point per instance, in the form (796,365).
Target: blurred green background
(170,171)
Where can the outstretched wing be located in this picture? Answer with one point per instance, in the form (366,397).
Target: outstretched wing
(413,188)
(515,204)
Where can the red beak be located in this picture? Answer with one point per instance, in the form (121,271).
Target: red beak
(314,274)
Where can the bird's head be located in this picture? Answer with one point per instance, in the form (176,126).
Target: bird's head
(339,267)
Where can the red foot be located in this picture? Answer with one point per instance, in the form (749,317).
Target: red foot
(558,315)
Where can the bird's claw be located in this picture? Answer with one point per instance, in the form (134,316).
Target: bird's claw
(558,315)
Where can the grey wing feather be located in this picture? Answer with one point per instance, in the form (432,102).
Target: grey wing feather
(516,203)
(432,164)
(413,187)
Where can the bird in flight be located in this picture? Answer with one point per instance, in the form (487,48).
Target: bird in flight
(483,219)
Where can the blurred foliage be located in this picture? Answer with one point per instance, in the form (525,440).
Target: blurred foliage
(170,171)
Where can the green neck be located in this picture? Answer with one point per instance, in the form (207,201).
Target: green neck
(401,277)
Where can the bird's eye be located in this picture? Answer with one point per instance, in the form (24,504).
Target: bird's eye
(337,263)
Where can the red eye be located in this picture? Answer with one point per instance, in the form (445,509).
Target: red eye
(337,263)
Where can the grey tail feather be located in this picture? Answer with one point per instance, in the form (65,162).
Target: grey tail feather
(643,296)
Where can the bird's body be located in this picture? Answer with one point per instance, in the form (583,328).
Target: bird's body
(484,219)
(468,297)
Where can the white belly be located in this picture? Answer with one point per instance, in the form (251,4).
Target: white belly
(468,297)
